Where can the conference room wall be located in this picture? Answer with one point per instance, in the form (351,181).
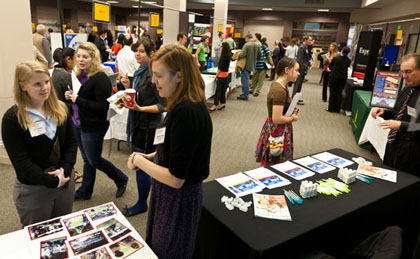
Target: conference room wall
(272,30)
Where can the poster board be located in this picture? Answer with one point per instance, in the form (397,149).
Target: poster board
(385,91)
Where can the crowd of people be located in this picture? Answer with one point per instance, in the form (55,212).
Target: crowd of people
(55,114)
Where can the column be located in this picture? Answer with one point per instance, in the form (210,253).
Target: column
(219,17)
(15,20)
(171,19)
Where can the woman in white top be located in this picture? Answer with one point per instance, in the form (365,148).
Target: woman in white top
(292,49)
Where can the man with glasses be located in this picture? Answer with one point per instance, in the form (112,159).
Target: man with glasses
(403,147)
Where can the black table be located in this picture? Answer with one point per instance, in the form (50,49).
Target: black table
(331,224)
(348,92)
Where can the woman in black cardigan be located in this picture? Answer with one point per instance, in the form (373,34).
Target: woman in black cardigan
(145,116)
(90,109)
(39,139)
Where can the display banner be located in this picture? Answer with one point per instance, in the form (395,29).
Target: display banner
(71,40)
(154,20)
(367,56)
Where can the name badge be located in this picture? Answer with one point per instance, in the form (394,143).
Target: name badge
(159,136)
(37,129)
(412,111)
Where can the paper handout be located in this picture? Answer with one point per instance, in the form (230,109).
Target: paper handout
(293,104)
(377,172)
(240,184)
(268,178)
(314,164)
(293,170)
(333,159)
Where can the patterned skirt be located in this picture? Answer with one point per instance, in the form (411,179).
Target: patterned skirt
(262,152)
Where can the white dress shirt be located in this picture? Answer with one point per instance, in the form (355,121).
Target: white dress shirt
(126,61)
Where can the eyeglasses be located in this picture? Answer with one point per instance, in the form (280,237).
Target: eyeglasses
(406,72)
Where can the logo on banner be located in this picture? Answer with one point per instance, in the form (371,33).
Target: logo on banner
(364,51)
(73,40)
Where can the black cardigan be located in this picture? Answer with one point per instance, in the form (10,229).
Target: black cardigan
(29,155)
(92,103)
(339,66)
(188,142)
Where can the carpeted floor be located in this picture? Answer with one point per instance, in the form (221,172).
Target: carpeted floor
(235,133)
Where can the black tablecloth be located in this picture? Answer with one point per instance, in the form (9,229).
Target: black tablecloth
(348,92)
(332,224)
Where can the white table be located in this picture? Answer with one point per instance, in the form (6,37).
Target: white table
(19,245)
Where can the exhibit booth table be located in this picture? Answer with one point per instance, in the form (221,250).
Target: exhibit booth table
(97,232)
(359,113)
(331,224)
(351,86)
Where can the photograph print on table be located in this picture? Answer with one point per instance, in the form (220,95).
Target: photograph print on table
(45,229)
(125,247)
(54,249)
(113,229)
(88,242)
(101,253)
(102,211)
(77,225)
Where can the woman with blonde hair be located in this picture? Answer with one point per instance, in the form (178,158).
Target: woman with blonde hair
(332,52)
(278,125)
(90,109)
(39,139)
(182,158)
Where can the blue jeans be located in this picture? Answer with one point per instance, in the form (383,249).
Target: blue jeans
(143,181)
(90,145)
(245,83)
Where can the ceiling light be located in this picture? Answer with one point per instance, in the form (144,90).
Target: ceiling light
(323,10)
(267,9)
(112,2)
(136,6)
(149,2)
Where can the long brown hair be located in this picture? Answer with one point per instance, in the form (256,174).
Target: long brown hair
(95,65)
(54,107)
(177,59)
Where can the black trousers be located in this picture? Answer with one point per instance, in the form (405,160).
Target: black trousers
(336,90)
(403,155)
(220,95)
(325,85)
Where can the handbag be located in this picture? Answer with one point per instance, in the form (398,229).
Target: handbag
(276,144)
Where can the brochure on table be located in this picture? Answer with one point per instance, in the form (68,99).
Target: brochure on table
(240,184)
(271,206)
(97,232)
(377,172)
(333,159)
(267,177)
(314,164)
(293,170)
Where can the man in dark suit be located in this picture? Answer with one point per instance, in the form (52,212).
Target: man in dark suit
(304,56)
(101,45)
(337,79)
(403,148)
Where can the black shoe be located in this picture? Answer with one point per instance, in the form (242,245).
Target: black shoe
(251,92)
(300,102)
(256,94)
(126,212)
(328,110)
(121,189)
(77,197)
(241,98)
(221,108)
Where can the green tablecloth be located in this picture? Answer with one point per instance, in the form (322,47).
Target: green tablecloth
(359,113)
